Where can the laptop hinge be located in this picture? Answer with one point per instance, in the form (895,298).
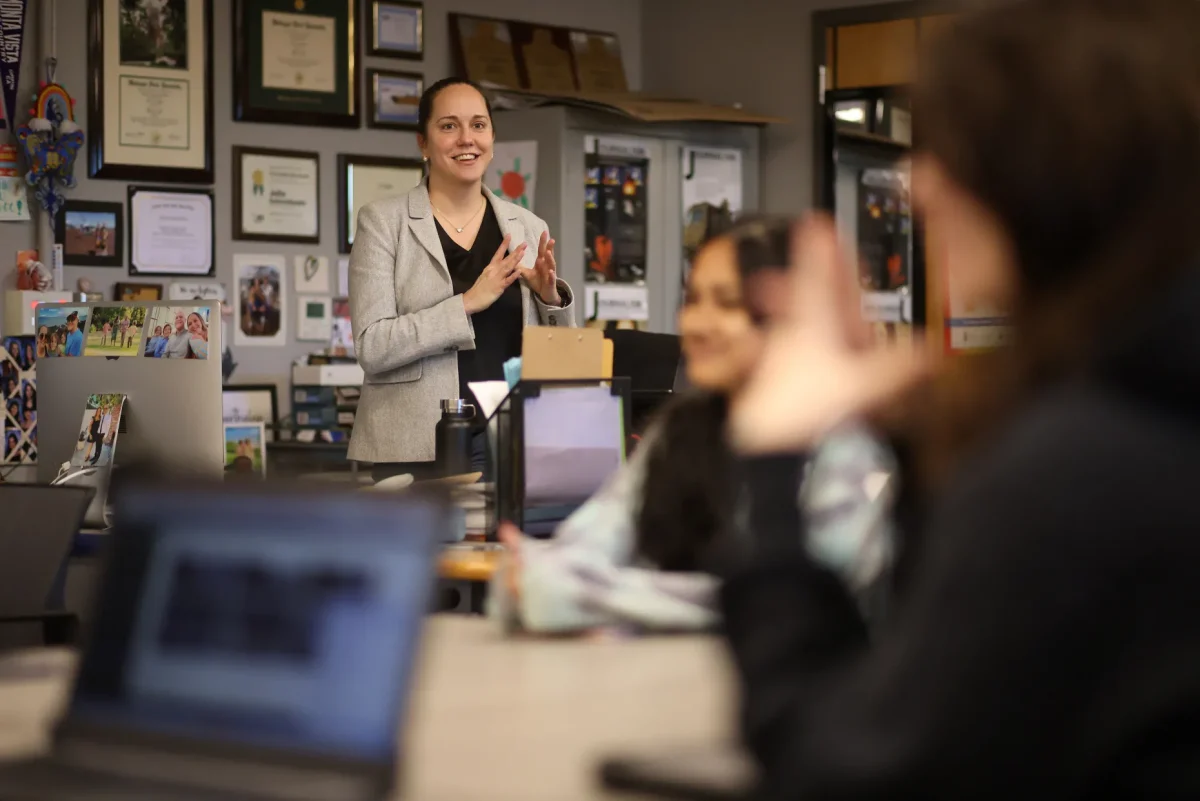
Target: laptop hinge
(215,773)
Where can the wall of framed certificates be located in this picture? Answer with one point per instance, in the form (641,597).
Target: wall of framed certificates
(222,136)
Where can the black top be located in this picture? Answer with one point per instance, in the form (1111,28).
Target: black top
(497,328)
(1047,644)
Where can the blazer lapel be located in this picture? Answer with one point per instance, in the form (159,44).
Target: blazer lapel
(420,214)
(510,225)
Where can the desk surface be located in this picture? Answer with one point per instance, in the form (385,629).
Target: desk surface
(496,719)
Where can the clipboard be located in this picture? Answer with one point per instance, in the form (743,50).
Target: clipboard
(551,353)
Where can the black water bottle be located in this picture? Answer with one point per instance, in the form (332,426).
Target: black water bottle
(453,438)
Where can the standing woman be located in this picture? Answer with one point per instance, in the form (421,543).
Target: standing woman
(442,281)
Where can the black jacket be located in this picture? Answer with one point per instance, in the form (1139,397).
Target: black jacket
(1049,643)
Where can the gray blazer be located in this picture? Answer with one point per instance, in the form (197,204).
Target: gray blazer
(408,326)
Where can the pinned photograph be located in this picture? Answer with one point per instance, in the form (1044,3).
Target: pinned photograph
(244,448)
(64,328)
(176,332)
(259,296)
(18,400)
(250,403)
(341,334)
(116,330)
(154,33)
(98,432)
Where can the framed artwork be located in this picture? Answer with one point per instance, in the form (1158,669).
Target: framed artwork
(396,29)
(276,195)
(135,292)
(171,231)
(251,403)
(91,233)
(150,97)
(294,62)
(362,179)
(392,99)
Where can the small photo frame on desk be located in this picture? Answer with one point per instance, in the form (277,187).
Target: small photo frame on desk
(136,292)
(246,449)
(396,29)
(251,403)
(92,233)
(393,99)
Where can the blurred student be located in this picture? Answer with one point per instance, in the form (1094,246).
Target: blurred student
(643,551)
(1047,646)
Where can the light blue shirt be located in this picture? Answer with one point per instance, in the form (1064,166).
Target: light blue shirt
(74,344)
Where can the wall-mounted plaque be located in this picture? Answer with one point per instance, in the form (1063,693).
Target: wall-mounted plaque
(150,113)
(544,56)
(397,29)
(598,65)
(483,50)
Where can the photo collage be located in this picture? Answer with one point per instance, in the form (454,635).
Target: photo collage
(19,389)
(161,332)
(98,432)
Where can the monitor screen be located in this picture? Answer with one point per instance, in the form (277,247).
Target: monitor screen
(243,621)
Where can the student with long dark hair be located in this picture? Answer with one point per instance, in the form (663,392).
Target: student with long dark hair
(1047,645)
(644,550)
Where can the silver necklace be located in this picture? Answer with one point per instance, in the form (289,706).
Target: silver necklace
(464,225)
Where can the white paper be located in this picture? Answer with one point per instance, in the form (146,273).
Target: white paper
(616,302)
(172,233)
(312,275)
(574,439)
(279,195)
(260,310)
(489,395)
(195,290)
(712,175)
(512,174)
(343,287)
(313,319)
(14,205)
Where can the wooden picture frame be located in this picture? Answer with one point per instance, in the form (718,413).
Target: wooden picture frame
(75,229)
(147,260)
(384,176)
(380,36)
(385,115)
(297,203)
(143,103)
(267,90)
(131,293)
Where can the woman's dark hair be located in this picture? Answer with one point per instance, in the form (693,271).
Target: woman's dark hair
(1077,124)
(687,496)
(425,104)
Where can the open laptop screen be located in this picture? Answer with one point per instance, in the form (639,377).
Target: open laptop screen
(288,623)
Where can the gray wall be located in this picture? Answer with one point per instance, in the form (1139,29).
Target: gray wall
(754,52)
(622,17)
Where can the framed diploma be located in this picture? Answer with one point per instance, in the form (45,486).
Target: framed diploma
(397,29)
(393,99)
(294,62)
(363,179)
(170,231)
(276,194)
(150,107)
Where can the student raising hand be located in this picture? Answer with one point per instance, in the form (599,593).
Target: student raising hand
(816,330)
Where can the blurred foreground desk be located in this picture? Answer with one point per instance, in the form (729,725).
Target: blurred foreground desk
(495,719)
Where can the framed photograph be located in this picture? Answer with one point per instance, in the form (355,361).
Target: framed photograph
(135,292)
(150,96)
(294,62)
(362,179)
(171,231)
(251,403)
(246,449)
(91,233)
(259,311)
(393,98)
(276,195)
(396,29)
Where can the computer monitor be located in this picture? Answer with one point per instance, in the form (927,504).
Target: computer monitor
(172,414)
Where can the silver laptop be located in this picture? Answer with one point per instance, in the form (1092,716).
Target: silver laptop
(38,525)
(249,642)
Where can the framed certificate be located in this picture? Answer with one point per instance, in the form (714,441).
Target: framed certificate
(150,107)
(276,194)
(363,179)
(397,29)
(393,99)
(170,231)
(294,62)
